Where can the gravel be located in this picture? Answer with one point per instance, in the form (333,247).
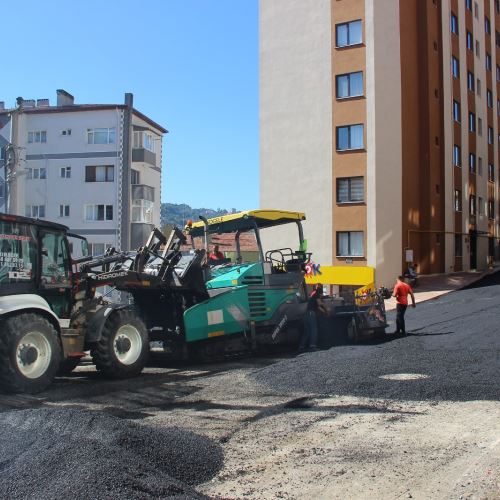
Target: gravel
(452,353)
(53,454)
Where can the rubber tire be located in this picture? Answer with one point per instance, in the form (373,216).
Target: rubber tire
(103,353)
(67,366)
(11,332)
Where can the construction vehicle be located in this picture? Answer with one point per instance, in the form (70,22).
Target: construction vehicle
(50,314)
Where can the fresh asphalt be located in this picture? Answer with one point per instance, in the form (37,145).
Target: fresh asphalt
(452,352)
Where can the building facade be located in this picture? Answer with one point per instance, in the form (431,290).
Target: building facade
(95,168)
(379,119)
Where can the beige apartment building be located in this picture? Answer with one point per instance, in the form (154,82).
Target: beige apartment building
(379,119)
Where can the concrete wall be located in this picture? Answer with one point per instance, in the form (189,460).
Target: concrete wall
(384,143)
(296,116)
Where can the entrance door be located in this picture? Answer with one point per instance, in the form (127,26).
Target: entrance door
(473,249)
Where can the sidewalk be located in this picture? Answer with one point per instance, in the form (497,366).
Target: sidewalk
(431,286)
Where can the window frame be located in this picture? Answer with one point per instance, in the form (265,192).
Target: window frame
(349,180)
(457,156)
(95,208)
(454,23)
(347,24)
(91,173)
(110,131)
(349,127)
(350,95)
(350,254)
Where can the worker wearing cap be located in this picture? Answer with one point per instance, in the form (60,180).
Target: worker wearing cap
(401,292)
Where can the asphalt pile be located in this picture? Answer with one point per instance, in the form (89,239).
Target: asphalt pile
(53,454)
(451,353)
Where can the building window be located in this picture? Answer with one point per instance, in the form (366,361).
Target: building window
(350,190)
(37,136)
(348,34)
(134,176)
(454,24)
(145,140)
(480,206)
(36,173)
(456,111)
(66,132)
(99,173)
(468,4)
(65,172)
(488,61)
(498,73)
(98,212)
(476,10)
(472,122)
(498,107)
(478,48)
(480,126)
(478,86)
(458,200)
(458,245)
(490,135)
(142,211)
(470,81)
(350,244)
(491,172)
(469,41)
(98,248)
(472,204)
(349,85)
(491,209)
(350,137)
(497,6)
(63,210)
(472,163)
(487,25)
(455,67)
(457,156)
(497,39)
(35,211)
(101,135)
(479,165)
(489,98)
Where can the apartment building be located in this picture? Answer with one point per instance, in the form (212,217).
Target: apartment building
(93,167)
(379,119)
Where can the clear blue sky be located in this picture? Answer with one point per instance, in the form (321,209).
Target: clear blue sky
(192,66)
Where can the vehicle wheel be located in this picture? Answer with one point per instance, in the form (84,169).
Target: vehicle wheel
(30,353)
(67,366)
(124,346)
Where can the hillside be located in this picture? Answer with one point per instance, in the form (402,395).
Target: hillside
(178,214)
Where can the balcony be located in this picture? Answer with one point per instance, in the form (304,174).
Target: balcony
(145,156)
(143,192)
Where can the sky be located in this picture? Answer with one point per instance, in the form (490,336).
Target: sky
(192,66)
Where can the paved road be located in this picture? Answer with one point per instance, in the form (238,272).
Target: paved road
(415,416)
(452,352)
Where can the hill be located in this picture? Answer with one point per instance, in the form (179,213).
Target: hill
(178,214)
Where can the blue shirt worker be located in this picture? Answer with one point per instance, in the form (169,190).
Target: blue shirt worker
(309,338)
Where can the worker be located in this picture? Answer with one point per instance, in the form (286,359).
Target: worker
(309,338)
(401,292)
(216,254)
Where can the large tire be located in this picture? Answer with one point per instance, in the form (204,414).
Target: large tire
(123,349)
(30,353)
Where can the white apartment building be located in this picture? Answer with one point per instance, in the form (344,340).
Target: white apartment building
(94,167)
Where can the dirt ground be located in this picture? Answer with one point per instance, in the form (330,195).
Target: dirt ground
(278,446)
